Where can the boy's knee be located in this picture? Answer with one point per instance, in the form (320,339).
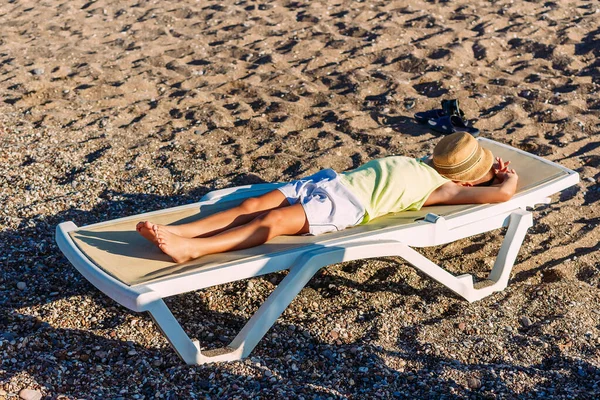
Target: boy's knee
(250,205)
(286,221)
(274,222)
(272,218)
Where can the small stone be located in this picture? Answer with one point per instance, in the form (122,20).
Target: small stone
(473,382)
(29,394)
(462,326)
(590,179)
(37,71)
(363,369)
(334,335)
(21,285)
(101,354)
(268,373)
(157,363)
(525,321)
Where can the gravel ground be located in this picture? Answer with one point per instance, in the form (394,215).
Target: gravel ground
(114,108)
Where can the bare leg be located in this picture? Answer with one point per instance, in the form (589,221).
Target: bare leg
(221,221)
(289,220)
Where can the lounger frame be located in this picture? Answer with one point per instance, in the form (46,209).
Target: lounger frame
(304,264)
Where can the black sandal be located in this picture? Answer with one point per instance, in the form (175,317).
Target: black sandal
(450,124)
(449,108)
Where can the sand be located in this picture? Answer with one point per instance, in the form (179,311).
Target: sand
(112,108)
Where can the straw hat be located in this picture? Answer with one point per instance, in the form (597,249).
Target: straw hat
(459,157)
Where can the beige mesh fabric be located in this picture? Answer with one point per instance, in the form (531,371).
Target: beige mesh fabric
(117,248)
(532,171)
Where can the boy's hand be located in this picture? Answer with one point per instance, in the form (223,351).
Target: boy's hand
(506,174)
(500,164)
(501,170)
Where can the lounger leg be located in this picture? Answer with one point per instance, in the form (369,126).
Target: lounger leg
(264,318)
(187,349)
(282,296)
(520,222)
(254,330)
(461,285)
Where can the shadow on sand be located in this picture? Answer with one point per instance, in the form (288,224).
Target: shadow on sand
(83,362)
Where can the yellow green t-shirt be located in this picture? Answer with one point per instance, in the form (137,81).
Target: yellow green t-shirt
(392,184)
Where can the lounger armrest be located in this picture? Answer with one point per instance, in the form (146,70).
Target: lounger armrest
(237,192)
(136,299)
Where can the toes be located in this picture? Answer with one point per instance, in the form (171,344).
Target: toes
(148,225)
(139,225)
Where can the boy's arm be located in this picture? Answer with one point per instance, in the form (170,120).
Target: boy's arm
(452,193)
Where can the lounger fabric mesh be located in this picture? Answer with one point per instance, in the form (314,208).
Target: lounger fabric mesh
(117,248)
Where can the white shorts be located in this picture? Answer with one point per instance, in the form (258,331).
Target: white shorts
(328,204)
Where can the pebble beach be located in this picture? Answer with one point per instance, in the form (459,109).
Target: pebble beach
(114,108)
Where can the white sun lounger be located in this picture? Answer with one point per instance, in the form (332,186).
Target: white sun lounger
(133,272)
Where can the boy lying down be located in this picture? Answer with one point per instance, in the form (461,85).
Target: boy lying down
(459,172)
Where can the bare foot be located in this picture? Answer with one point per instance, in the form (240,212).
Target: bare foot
(145,229)
(179,248)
